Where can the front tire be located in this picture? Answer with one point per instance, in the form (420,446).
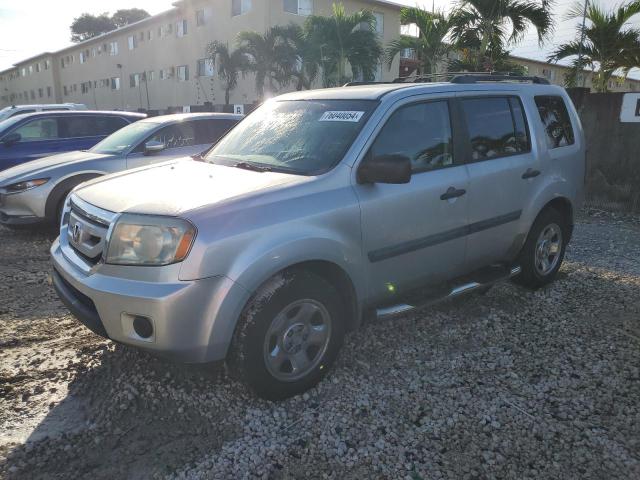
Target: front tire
(289,334)
(543,252)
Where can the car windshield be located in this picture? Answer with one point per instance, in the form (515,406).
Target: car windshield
(125,138)
(304,137)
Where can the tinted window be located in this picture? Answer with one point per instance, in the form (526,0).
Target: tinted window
(209,131)
(496,127)
(108,125)
(555,118)
(40,129)
(421,132)
(176,135)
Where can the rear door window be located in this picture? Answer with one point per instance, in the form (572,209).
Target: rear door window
(107,125)
(497,127)
(555,118)
(38,129)
(209,131)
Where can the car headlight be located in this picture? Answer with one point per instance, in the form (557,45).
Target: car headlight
(149,240)
(26,185)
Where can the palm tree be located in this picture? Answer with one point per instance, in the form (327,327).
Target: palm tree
(301,61)
(488,26)
(429,46)
(343,39)
(609,44)
(269,57)
(230,65)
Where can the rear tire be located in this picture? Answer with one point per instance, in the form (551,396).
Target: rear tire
(543,252)
(289,335)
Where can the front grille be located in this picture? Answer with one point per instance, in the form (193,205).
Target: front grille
(87,233)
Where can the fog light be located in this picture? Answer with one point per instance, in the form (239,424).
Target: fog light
(142,326)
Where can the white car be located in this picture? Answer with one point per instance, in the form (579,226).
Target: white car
(14,110)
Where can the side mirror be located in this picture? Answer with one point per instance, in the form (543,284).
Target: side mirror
(11,139)
(385,169)
(153,146)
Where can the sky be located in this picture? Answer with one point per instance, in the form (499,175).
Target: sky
(29,27)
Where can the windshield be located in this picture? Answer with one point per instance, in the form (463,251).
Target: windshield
(125,138)
(305,137)
(7,123)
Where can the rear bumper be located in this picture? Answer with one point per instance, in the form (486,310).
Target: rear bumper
(193,321)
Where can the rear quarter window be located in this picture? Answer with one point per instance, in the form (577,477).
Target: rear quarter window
(555,118)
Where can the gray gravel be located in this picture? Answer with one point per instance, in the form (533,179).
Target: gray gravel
(510,384)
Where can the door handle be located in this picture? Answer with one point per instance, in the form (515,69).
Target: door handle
(530,173)
(452,192)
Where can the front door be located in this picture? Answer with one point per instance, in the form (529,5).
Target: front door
(179,140)
(414,234)
(503,172)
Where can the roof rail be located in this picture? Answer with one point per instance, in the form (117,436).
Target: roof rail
(476,78)
(359,84)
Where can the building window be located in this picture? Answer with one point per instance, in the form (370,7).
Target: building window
(65,90)
(141,36)
(240,7)
(113,48)
(200,18)
(134,80)
(379,23)
(183,73)
(181,28)
(149,76)
(205,67)
(33,95)
(48,91)
(47,64)
(30,69)
(84,87)
(38,67)
(82,57)
(115,83)
(40,93)
(23,72)
(298,7)
(132,41)
(150,35)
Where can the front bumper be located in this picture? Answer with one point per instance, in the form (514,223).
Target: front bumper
(24,208)
(193,321)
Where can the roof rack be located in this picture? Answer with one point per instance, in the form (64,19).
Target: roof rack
(477,78)
(460,77)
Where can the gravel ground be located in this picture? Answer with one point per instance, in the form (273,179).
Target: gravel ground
(510,384)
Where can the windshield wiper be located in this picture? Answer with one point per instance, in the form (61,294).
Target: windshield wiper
(251,166)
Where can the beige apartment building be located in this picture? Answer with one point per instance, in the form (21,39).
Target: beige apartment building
(160,63)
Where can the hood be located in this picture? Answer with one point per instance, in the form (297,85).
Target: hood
(39,168)
(176,187)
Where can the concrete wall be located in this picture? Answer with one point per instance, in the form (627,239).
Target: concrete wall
(613,151)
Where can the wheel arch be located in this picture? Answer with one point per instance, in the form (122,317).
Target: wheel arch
(61,190)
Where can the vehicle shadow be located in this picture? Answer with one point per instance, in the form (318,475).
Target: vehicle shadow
(128,414)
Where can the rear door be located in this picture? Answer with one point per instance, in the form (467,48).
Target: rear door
(81,132)
(39,137)
(412,234)
(502,174)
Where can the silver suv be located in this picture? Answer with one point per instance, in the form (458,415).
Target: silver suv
(320,209)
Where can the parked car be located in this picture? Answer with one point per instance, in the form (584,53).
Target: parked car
(14,110)
(320,207)
(34,192)
(35,135)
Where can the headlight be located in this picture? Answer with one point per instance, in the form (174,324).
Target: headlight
(149,240)
(26,185)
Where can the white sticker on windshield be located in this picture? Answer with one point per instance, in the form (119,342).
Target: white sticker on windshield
(341,116)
